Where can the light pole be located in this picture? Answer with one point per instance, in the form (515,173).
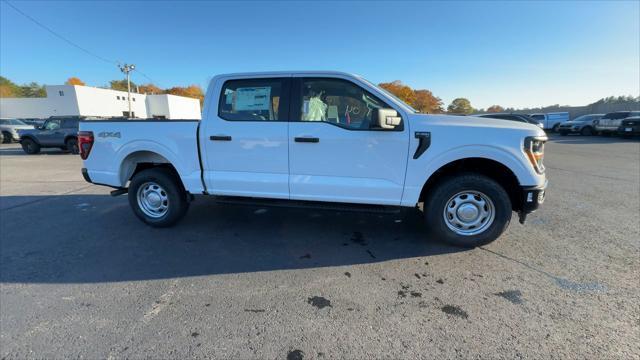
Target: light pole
(127,69)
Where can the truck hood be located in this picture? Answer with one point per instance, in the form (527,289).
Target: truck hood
(421,122)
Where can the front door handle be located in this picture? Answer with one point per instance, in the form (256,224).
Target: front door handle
(220,138)
(307,139)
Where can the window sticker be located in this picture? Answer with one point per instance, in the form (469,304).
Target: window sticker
(253,98)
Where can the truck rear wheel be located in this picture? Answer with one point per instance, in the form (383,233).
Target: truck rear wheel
(157,197)
(467,210)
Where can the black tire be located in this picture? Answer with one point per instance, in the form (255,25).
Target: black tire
(555,128)
(170,186)
(7,138)
(446,189)
(563,133)
(30,146)
(72,145)
(586,131)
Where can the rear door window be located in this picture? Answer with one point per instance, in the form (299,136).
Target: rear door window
(254,100)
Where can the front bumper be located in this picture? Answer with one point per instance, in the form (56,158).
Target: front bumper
(532,197)
(629,130)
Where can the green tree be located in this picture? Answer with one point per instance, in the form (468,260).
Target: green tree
(121,85)
(460,106)
(33,90)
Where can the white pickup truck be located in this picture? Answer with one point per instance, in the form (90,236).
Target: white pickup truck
(322,139)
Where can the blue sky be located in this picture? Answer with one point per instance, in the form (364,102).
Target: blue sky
(516,54)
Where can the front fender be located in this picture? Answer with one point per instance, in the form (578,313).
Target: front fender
(419,172)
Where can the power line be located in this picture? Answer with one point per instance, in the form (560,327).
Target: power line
(148,78)
(58,35)
(69,41)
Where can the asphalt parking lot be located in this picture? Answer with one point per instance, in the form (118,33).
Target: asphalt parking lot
(81,277)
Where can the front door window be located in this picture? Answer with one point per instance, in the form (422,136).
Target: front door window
(338,102)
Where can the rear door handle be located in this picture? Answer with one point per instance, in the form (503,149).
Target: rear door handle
(307,139)
(220,138)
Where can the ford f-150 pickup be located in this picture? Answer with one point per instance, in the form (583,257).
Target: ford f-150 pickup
(322,139)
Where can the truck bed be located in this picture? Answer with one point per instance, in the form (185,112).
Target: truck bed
(117,140)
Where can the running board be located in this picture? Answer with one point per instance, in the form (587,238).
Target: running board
(301,204)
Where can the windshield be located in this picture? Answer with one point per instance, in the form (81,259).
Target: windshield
(537,117)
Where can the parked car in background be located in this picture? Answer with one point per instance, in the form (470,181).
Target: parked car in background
(610,122)
(57,132)
(583,125)
(551,121)
(630,126)
(509,116)
(9,129)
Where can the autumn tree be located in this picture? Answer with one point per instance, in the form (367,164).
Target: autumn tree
(425,102)
(8,88)
(74,81)
(149,89)
(192,91)
(402,91)
(460,106)
(120,85)
(495,109)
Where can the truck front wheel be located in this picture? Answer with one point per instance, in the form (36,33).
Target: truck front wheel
(157,197)
(467,210)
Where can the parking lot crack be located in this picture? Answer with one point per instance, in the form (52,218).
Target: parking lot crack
(560,282)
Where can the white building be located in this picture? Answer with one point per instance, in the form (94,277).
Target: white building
(91,101)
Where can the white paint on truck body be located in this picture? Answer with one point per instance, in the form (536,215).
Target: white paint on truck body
(263,160)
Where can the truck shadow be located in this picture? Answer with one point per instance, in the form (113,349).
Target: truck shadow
(96,238)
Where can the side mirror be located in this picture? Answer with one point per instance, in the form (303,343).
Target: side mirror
(386,118)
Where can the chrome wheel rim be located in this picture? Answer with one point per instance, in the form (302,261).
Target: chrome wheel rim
(153,200)
(469,213)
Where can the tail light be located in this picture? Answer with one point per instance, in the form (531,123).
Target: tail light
(534,148)
(85,143)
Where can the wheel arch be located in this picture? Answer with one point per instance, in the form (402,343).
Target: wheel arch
(30,137)
(490,168)
(140,160)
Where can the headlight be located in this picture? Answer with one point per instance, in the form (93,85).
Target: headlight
(534,148)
